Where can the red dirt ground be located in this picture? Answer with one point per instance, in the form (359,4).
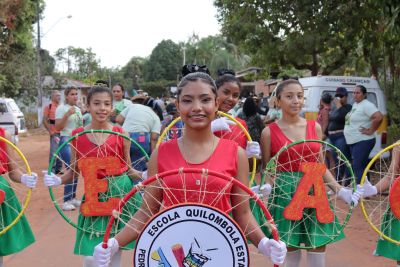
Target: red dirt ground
(55,238)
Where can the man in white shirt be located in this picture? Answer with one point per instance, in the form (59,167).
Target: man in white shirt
(143,126)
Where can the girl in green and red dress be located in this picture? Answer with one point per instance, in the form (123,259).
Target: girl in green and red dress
(99,104)
(390,223)
(20,235)
(291,128)
(197,148)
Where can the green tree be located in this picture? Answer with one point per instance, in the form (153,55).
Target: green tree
(132,72)
(82,64)
(164,63)
(17,58)
(313,35)
(215,52)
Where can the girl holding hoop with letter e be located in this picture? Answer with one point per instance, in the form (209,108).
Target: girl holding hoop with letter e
(90,150)
(278,137)
(197,148)
(15,232)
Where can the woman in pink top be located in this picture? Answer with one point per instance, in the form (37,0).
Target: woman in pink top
(199,148)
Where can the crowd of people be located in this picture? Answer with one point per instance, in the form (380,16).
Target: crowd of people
(199,97)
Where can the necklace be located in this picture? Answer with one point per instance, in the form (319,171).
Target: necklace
(208,158)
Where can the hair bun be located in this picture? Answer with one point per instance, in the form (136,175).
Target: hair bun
(191,68)
(221,72)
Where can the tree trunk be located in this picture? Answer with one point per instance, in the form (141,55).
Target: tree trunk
(314,67)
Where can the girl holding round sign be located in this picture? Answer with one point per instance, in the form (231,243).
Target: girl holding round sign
(299,202)
(197,148)
(101,155)
(15,232)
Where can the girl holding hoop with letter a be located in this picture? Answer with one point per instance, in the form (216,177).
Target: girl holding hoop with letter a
(100,153)
(292,148)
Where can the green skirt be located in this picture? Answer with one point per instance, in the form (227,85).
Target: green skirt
(306,232)
(391,228)
(20,235)
(95,226)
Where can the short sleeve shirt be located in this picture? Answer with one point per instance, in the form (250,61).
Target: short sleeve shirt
(74,121)
(121,105)
(140,118)
(50,112)
(359,117)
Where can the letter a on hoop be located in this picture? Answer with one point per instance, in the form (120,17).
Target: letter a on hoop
(312,179)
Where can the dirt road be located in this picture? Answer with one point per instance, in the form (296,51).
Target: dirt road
(55,238)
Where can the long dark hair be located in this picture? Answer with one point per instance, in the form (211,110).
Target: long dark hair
(96,90)
(249,107)
(283,84)
(193,73)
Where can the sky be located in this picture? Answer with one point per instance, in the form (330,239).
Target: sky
(121,29)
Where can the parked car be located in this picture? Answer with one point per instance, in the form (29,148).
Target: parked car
(11,118)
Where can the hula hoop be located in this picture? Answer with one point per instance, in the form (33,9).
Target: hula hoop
(60,211)
(28,196)
(272,170)
(363,201)
(246,133)
(139,187)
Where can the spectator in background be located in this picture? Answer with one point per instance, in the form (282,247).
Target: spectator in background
(323,113)
(335,129)
(274,112)
(119,103)
(253,120)
(361,123)
(143,126)
(68,118)
(49,122)
(176,130)
(150,102)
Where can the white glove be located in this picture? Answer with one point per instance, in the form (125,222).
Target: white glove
(51,179)
(253,149)
(144,175)
(369,189)
(221,124)
(273,249)
(102,256)
(263,190)
(29,180)
(349,197)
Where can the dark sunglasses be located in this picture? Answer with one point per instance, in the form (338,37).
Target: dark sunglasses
(340,96)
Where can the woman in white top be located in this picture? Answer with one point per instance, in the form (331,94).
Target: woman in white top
(68,118)
(361,123)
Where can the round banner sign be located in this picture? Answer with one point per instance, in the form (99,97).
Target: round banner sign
(191,235)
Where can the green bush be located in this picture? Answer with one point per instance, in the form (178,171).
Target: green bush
(157,88)
(31,120)
(393,132)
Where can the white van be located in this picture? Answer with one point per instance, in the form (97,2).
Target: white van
(11,118)
(315,86)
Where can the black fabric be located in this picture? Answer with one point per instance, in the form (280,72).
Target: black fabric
(337,118)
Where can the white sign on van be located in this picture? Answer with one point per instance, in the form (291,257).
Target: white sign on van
(347,80)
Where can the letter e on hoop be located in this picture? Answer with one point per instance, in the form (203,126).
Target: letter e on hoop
(312,179)
(394,197)
(90,167)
